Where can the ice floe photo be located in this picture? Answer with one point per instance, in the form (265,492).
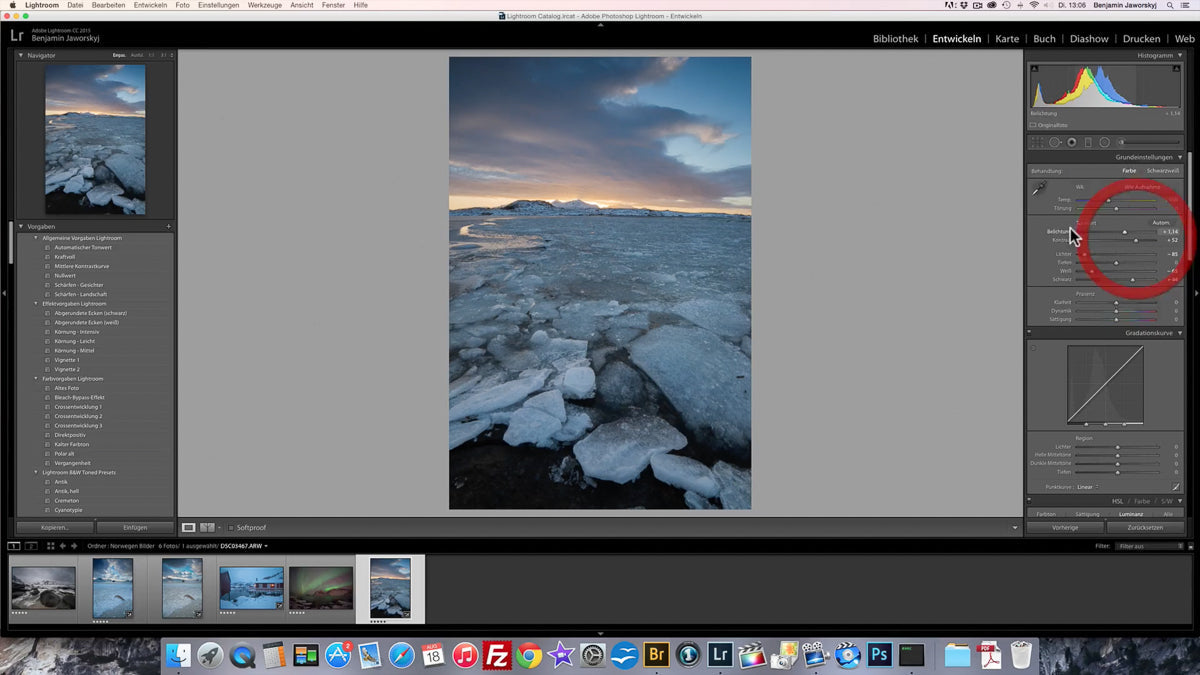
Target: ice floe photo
(321,588)
(599,283)
(182,588)
(95,139)
(43,588)
(251,588)
(112,588)
(391,588)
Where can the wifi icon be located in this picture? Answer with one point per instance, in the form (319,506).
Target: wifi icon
(1034,3)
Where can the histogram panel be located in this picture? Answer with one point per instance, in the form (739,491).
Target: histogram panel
(1105,86)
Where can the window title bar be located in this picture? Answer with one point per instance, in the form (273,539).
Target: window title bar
(658,10)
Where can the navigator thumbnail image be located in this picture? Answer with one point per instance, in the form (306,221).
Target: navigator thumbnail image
(95,139)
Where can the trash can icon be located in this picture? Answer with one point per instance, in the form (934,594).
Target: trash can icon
(1022,654)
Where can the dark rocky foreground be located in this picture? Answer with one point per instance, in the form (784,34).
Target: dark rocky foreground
(79,656)
(491,475)
(1120,656)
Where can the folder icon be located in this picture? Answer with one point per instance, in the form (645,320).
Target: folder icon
(958,655)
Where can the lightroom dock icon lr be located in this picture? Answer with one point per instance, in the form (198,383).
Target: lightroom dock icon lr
(720,655)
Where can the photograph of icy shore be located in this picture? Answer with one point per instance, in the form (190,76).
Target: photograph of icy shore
(43,588)
(95,139)
(112,588)
(599,269)
(391,588)
(182,588)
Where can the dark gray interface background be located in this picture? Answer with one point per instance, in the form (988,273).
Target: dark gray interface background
(887,284)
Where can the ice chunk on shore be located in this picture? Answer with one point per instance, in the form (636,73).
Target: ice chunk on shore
(61,176)
(705,378)
(620,385)
(462,384)
(543,311)
(685,473)
(636,320)
(458,286)
(461,339)
(130,171)
(596,308)
(579,382)
(583,319)
(735,486)
(551,403)
(499,396)
(575,427)
(531,425)
(134,150)
(559,352)
(461,432)
(101,195)
(477,306)
(619,451)
(622,336)
(697,502)
(136,206)
(74,185)
(718,316)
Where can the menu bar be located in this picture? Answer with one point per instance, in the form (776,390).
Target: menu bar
(660,10)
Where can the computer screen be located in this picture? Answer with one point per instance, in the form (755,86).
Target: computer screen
(655,338)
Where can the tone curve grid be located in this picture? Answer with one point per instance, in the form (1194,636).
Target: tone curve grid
(1106,385)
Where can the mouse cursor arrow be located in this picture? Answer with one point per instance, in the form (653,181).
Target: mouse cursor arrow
(1074,237)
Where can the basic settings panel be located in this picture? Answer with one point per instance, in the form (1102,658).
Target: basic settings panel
(1109,239)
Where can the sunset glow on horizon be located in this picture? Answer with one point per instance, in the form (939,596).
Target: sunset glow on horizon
(115,90)
(496,201)
(654,133)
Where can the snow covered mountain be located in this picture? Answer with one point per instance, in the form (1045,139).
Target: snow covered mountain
(574,204)
(575,207)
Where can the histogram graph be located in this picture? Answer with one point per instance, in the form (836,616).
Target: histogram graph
(1105,86)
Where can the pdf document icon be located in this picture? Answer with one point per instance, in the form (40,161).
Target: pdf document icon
(989,655)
